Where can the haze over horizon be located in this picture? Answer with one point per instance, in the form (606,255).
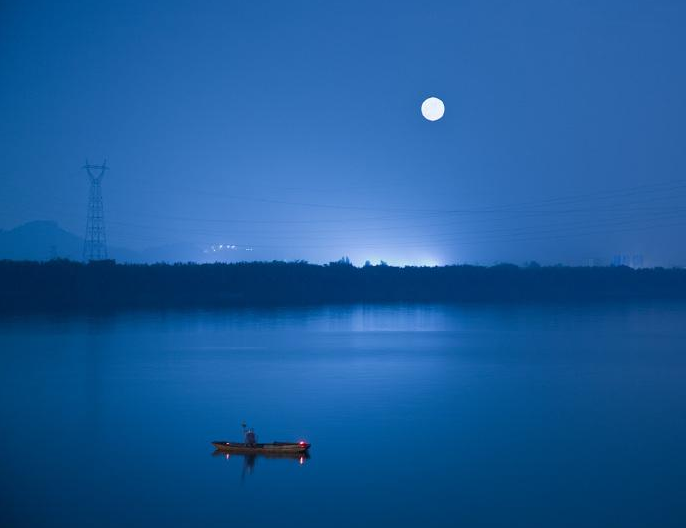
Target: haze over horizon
(294,130)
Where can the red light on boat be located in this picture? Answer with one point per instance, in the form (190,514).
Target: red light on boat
(302,442)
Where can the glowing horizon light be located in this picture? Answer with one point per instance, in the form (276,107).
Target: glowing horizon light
(428,261)
(431,263)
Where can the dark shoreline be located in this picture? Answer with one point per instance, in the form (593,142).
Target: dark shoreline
(67,286)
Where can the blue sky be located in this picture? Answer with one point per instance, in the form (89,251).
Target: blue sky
(293,128)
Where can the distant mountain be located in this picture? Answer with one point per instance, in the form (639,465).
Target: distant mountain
(40,240)
(44,239)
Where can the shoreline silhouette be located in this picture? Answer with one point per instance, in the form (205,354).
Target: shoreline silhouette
(63,285)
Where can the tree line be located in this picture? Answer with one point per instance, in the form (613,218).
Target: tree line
(63,285)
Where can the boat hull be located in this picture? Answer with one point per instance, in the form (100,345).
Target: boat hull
(275,448)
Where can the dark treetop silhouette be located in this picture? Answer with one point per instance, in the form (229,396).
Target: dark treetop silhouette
(66,285)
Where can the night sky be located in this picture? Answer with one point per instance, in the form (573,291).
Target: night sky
(294,128)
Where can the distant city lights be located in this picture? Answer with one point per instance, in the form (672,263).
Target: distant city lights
(395,260)
(215,248)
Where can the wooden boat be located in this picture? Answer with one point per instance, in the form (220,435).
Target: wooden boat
(275,448)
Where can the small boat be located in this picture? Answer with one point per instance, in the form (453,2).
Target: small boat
(275,448)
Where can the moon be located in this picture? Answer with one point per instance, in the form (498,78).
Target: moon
(433,109)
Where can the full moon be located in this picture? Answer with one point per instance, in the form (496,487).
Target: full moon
(433,109)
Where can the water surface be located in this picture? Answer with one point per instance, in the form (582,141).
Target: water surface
(418,416)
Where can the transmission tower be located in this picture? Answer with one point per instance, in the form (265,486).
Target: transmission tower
(95,245)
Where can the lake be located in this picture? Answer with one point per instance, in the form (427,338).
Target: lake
(418,416)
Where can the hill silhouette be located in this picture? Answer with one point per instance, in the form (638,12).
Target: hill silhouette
(44,240)
(39,240)
(66,285)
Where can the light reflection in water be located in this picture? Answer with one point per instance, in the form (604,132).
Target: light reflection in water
(250,459)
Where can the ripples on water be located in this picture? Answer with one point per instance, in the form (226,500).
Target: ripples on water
(418,416)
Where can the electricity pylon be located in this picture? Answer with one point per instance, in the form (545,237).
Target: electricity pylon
(95,245)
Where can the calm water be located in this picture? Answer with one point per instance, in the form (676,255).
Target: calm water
(418,416)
